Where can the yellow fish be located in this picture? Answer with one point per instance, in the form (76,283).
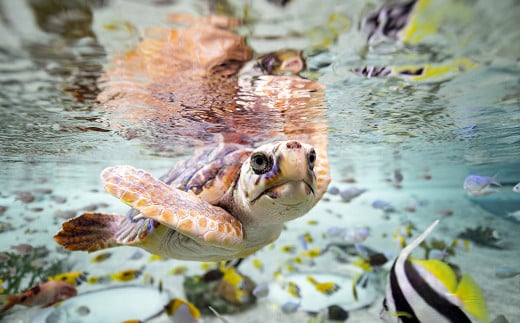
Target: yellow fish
(326,288)
(97,280)
(425,290)
(155,258)
(74,278)
(182,311)
(257,263)
(126,275)
(179,270)
(233,278)
(293,289)
(100,257)
(288,249)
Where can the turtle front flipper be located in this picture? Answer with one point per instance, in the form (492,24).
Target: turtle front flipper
(181,211)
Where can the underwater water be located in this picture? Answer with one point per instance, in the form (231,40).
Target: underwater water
(405,114)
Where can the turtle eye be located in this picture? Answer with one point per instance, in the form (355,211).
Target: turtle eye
(260,163)
(311,158)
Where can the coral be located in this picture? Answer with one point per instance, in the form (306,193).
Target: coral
(212,290)
(484,236)
(20,271)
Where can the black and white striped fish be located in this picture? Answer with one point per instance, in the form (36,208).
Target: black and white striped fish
(428,291)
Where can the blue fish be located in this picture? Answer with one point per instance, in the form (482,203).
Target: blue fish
(477,185)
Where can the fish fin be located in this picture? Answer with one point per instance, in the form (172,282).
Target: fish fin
(472,298)
(12,300)
(441,271)
(89,232)
(408,249)
(493,180)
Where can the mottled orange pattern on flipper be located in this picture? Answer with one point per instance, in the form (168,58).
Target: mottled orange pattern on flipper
(184,212)
(89,232)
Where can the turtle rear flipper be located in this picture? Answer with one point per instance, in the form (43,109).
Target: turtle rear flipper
(90,231)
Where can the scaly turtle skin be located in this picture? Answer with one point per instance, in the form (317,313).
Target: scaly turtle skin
(221,204)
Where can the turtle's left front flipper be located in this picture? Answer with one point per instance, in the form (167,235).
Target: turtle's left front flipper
(184,212)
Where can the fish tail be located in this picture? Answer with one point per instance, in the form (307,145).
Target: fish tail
(89,232)
(12,300)
(472,298)
(493,180)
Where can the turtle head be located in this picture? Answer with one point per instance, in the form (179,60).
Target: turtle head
(277,182)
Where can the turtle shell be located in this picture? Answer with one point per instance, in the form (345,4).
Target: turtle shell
(210,173)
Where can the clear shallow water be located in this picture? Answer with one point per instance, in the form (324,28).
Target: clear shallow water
(53,134)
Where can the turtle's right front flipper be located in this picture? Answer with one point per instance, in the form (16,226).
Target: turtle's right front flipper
(181,211)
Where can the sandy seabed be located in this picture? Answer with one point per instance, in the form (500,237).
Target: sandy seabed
(502,295)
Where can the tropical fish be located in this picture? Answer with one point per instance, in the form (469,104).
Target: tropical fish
(100,257)
(293,289)
(383,205)
(257,263)
(516,188)
(261,290)
(126,275)
(181,311)
(74,278)
(178,270)
(428,291)
(97,280)
(476,185)
(326,288)
(288,248)
(506,272)
(290,307)
(349,194)
(44,294)
(305,239)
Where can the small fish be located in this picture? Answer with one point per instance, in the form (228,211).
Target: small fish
(126,275)
(100,257)
(182,311)
(290,307)
(516,188)
(398,177)
(261,290)
(178,270)
(23,249)
(97,280)
(74,278)
(428,291)
(476,185)
(293,289)
(257,263)
(506,272)
(44,294)
(305,239)
(333,190)
(349,194)
(357,235)
(155,258)
(138,254)
(326,288)
(288,249)
(383,205)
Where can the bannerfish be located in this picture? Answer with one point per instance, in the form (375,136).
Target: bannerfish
(516,188)
(44,294)
(428,291)
(476,185)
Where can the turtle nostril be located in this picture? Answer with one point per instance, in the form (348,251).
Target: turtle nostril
(293,145)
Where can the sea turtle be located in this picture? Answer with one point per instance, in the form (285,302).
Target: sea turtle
(222,203)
